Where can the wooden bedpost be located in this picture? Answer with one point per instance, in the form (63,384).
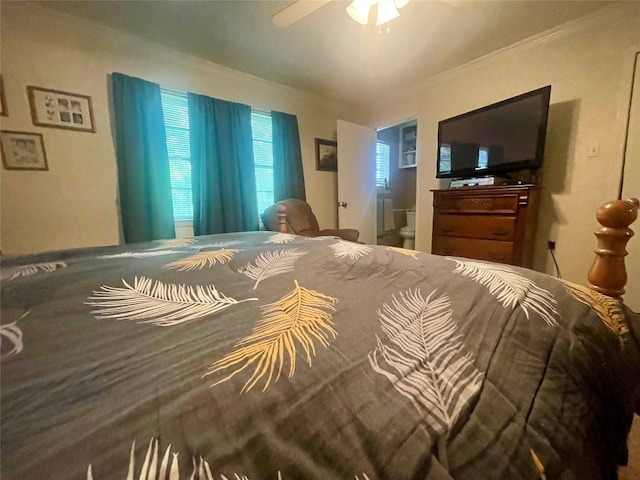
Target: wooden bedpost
(608,274)
(282,218)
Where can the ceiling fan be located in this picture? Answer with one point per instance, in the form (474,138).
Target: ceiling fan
(372,14)
(359,10)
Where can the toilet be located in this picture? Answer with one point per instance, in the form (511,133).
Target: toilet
(408,233)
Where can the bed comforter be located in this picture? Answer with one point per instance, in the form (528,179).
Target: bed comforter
(271,356)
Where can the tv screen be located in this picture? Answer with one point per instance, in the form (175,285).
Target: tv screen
(494,140)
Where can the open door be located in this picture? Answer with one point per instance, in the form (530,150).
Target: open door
(357,179)
(631,188)
(396,192)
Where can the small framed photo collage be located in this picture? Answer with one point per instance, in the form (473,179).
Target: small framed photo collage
(53,108)
(49,108)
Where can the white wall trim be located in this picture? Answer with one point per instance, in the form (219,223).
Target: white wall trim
(399,120)
(569,28)
(92,28)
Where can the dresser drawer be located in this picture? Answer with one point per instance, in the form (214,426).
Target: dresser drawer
(494,223)
(490,227)
(502,203)
(491,250)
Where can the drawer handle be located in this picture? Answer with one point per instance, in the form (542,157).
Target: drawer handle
(496,256)
(447,229)
(500,232)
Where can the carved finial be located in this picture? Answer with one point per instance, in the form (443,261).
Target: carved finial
(282,218)
(608,274)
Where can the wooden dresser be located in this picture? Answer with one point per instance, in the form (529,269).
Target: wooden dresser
(495,223)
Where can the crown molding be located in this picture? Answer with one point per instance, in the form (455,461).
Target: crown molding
(87,27)
(566,29)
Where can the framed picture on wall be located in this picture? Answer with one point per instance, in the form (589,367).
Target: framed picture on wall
(3,100)
(23,151)
(326,155)
(57,109)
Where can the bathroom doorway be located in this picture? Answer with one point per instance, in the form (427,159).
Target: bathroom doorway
(396,165)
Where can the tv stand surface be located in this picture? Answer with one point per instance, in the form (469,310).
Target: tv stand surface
(480,181)
(495,223)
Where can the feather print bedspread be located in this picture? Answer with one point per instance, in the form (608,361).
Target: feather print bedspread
(272,356)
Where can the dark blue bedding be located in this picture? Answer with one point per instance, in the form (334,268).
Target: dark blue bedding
(272,356)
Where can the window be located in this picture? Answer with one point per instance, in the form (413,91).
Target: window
(483,158)
(445,158)
(263,157)
(383,153)
(176,122)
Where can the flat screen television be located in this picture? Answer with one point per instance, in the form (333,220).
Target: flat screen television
(495,140)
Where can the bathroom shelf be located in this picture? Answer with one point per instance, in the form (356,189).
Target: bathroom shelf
(408,153)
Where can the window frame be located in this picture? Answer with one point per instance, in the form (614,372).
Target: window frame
(182,221)
(383,188)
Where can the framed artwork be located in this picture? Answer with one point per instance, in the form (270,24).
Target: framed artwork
(3,100)
(53,108)
(326,155)
(23,151)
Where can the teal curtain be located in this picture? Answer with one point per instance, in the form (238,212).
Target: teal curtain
(288,177)
(144,178)
(222,166)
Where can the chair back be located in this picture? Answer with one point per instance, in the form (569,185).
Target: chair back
(300,218)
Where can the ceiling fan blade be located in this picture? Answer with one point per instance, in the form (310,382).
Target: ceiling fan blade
(296,11)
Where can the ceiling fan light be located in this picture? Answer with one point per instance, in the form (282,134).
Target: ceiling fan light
(387,11)
(400,3)
(359,11)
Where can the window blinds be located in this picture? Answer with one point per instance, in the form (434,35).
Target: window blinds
(176,121)
(263,156)
(383,152)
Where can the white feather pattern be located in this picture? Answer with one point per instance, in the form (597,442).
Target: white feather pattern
(151,470)
(164,465)
(144,471)
(223,244)
(132,461)
(13,333)
(424,358)
(159,303)
(147,253)
(174,473)
(269,264)
(342,249)
(511,289)
(11,273)
(174,243)
(280,238)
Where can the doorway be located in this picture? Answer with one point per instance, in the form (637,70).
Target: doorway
(630,184)
(396,165)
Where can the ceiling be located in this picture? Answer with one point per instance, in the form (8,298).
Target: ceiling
(327,53)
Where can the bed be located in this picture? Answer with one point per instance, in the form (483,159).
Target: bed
(265,355)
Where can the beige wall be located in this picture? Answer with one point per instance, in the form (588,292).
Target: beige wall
(74,204)
(589,65)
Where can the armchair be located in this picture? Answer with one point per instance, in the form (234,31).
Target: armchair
(301,220)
